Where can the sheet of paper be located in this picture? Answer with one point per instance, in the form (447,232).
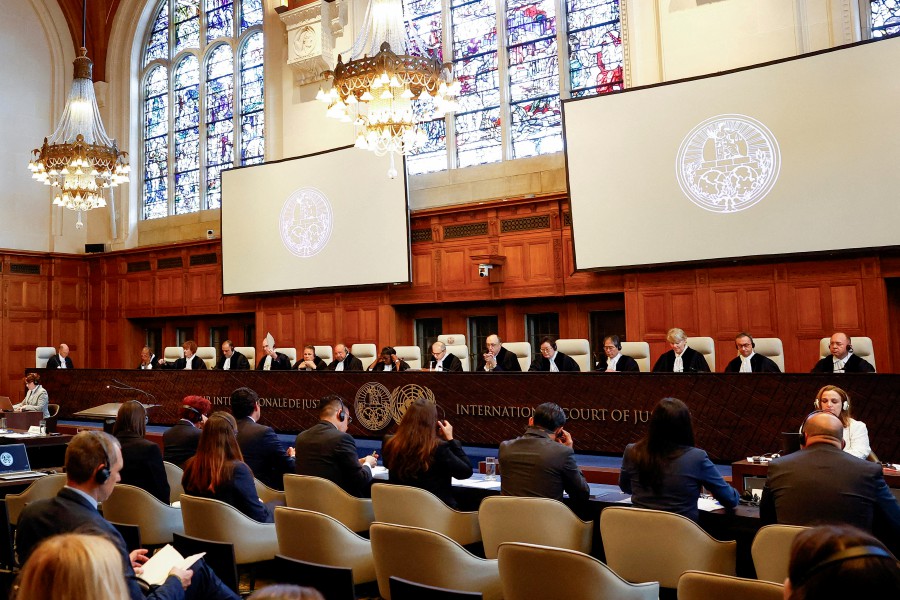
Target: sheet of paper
(156,570)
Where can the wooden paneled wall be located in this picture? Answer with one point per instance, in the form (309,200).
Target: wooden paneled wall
(99,304)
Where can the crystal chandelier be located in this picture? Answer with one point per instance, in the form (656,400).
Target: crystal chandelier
(386,94)
(79,160)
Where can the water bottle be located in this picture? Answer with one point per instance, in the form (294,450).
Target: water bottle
(43,427)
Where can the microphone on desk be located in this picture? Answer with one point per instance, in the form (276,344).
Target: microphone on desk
(124,386)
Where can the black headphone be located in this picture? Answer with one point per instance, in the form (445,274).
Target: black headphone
(193,410)
(815,412)
(342,414)
(615,341)
(746,335)
(102,474)
(842,556)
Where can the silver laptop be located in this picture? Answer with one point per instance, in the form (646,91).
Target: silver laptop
(14,463)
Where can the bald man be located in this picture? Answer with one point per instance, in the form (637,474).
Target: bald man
(61,359)
(842,359)
(823,484)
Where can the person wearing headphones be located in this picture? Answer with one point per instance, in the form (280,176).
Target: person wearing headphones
(747,360)
(181,439)
(553,361)
(681,358)
(389,361)
(842,359)
(36,398)
(822,484)
(856,435)
(616,362)
(326,450)
(93,465)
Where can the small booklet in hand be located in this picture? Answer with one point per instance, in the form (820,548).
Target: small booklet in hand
(156,570)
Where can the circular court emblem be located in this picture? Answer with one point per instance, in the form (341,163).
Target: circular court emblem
(6,459)
(728,163)
(405,395)
(373,406)
(306,222)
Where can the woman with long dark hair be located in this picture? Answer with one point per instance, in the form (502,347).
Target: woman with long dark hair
(143,461)
(218,470)
(424,453)
(664,471)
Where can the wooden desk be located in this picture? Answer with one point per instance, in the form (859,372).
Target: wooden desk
(743,469)
(21,420)
(44,452)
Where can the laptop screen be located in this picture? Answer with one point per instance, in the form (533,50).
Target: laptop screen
(790,442)
(5,403)
(13,458)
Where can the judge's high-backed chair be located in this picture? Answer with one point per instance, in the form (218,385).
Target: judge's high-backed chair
(405,505)
(411,354)
(452,339)
(697,585)
(862,347)
(173,353)
(134,506)
(367,353)
(522,350)
(532,521)
(174,473)
(249,352)
(325,496)
(705,346)
(208,355)
(325,353)
(771,348)
(291,353)
(579,350)
(640,352)
(771,551)
(461,351)
(41,355)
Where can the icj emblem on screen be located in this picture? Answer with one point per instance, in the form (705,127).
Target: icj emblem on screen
(306,222)
(728,163)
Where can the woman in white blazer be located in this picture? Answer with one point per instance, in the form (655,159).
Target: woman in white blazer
(36,399)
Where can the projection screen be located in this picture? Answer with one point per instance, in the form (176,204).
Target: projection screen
(796,156)
(320,221)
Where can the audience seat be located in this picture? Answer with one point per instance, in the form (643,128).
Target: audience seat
(524,570)
(173,353)
(653,545)
(640,352)
(324,496)
(452,339)
(579,350)
(367,353)
(771,551)
(522,350)
(461,351)
(250,353)
(411,354)
(771,348)
(173,476)
(41,355)
(134,506)
(334,583)
(431,558)
(267,494)
(401,589)
(219,556)
(405,505)
(862,347)
(707,347)
(208,355)
(291,353)
(325,353)
(697,585)
(533,521)
(217,521)
(45,487)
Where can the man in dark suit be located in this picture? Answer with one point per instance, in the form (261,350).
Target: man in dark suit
(326,450)
(389,361)
(842,359)
(680,359)
(497,358)
(190,362)
(271,360)
(551,360)
(310,361)
(747,360)
(344,361)
(542,463)
(613,359)
(181,439)
(823,484)
(148,359)
(443,360)
(61,359)
(93,463)
(259,444)
(231,359)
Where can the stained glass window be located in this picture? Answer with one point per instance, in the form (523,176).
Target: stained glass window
(216,95)
(885,18)
(595,47)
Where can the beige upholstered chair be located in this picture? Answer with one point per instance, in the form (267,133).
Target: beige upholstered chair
(771,348)
(324,496)
(173,353)
(313,537)
(532,521)
(461,351)
(220,522)
(431,558)
(862,347)
(134,506)
(771,551)
(291,353)
(579,350)
(705,346)
(367,353)
(325,353)
(653,545)
(525,574)
(41,355)
(522,350)
(250,353)
(452,339)
(208,355)
(404,505)
(640,352)
(45,487)
(697,585)
(173,476)
(267,494)
(411,354)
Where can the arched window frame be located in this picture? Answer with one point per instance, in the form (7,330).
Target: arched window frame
(236,42)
